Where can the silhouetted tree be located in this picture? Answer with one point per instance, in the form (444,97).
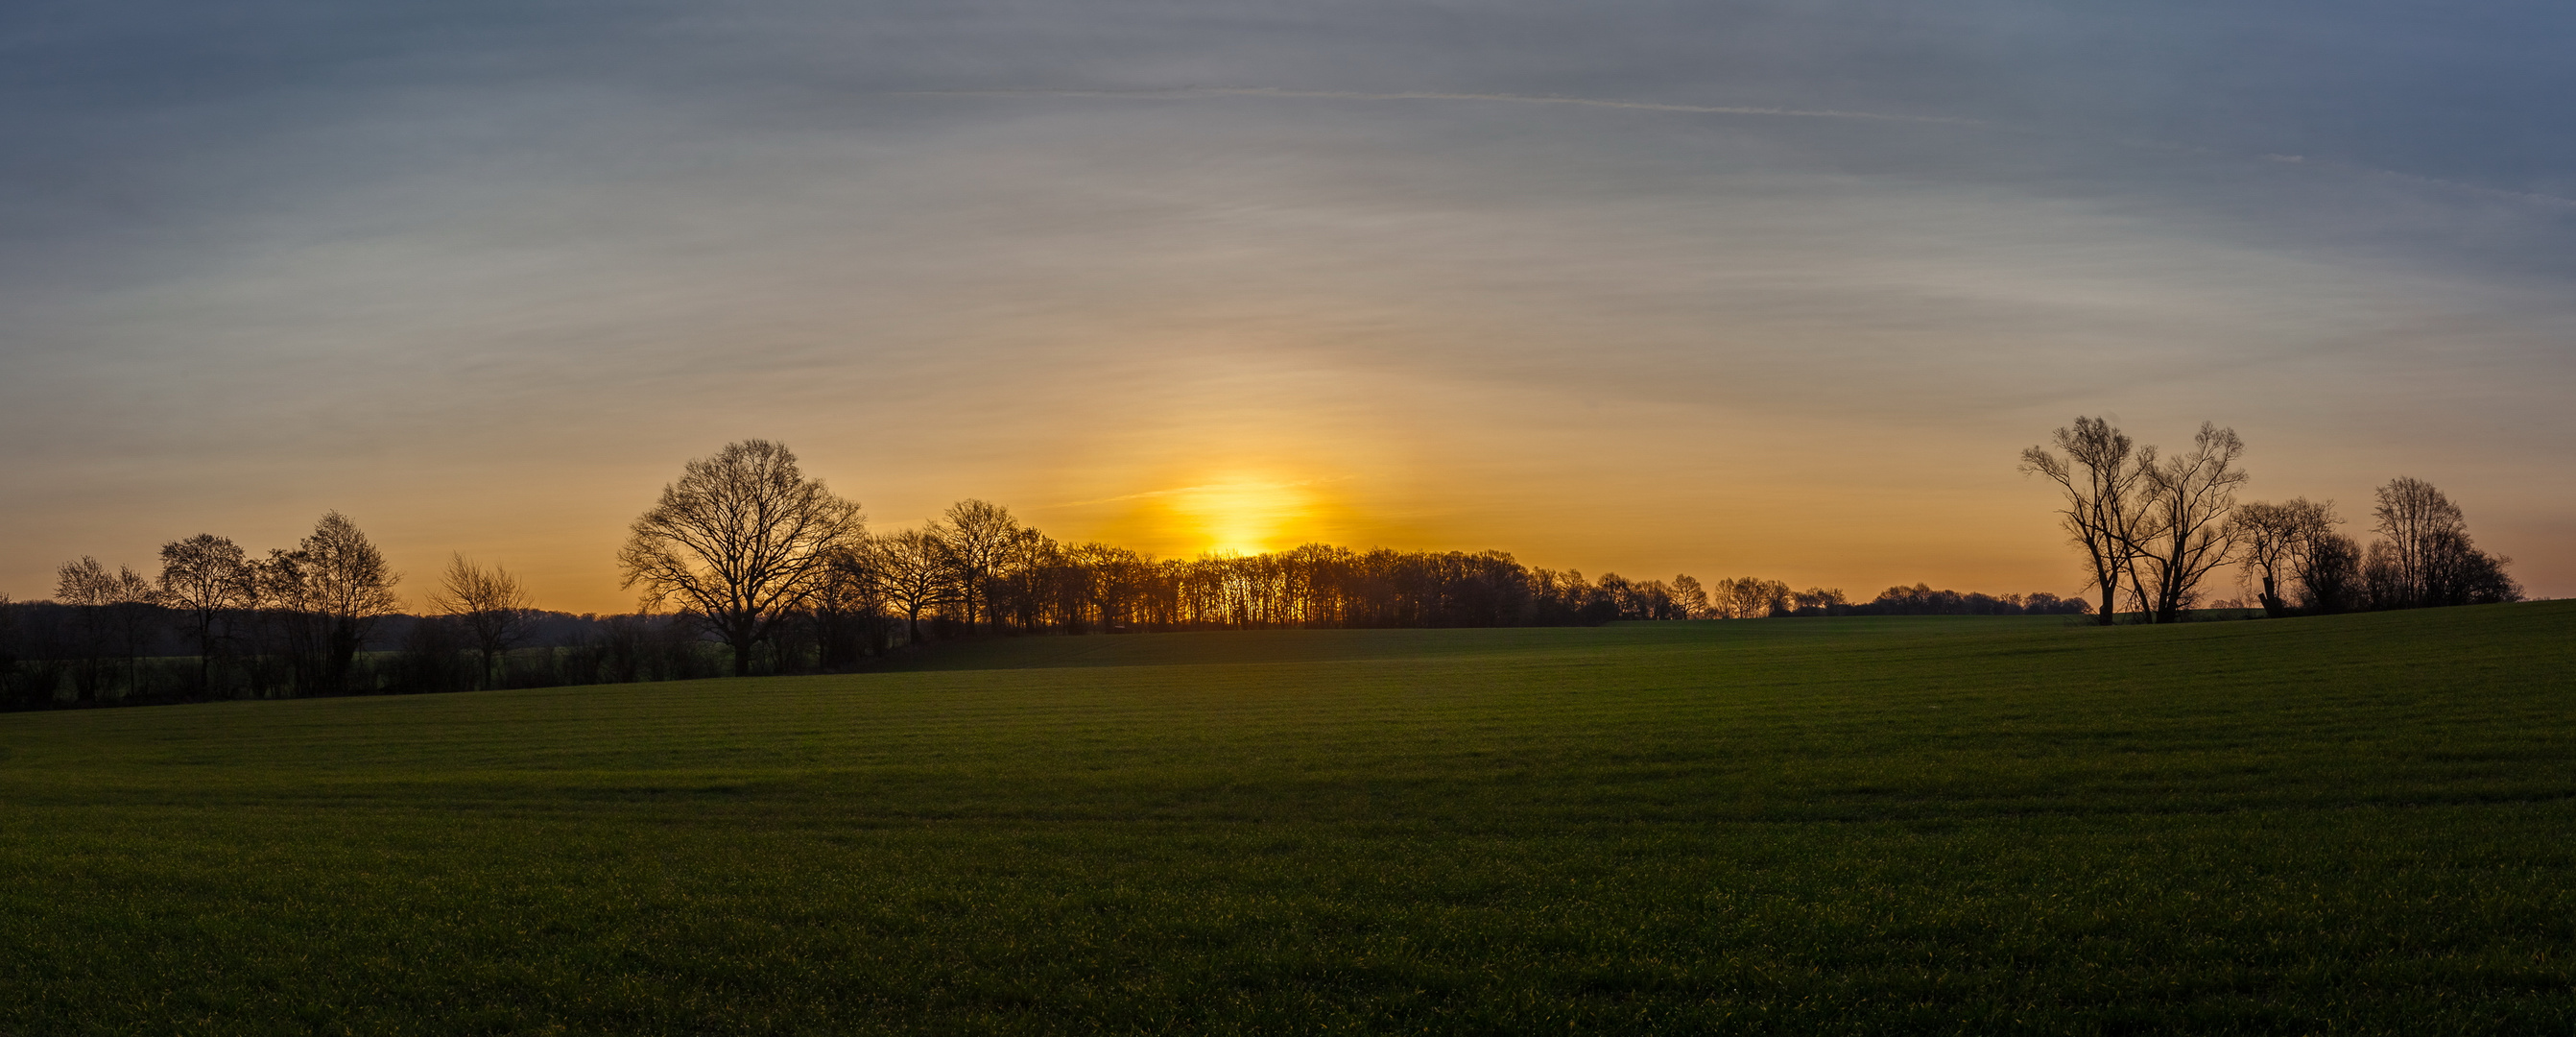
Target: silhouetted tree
(488,605)
(2042,603)
(2384,580)
(2103,477)
(2184,533)
(1748,598)
(1690,597)
(2329,568)
(2481,580)
(328,593)
(136,613)
(742,540)
(1816,601)
(915,571)
(205,578)
(1028,594)
(981,537)
(1921,600)
(2415,519)
(82,587)
(2276,539)
(848,612)
(2427,558)
(1114,587)
(1645,600)
(112,613)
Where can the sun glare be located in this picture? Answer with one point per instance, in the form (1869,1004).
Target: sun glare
(1243,516)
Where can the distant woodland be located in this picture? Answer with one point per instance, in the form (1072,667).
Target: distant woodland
(744,566)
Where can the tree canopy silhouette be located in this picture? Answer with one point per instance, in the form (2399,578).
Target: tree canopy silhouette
(741,541)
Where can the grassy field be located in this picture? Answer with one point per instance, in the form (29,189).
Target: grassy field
(2340,825)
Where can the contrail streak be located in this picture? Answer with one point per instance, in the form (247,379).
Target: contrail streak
(1352,95)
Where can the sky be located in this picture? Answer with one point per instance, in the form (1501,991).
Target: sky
(1772,289)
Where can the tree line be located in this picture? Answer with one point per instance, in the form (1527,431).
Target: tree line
(292,621)
(754,549)
(745,565)
(2153,527)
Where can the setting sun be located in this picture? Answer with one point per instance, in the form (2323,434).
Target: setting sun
(1240,515)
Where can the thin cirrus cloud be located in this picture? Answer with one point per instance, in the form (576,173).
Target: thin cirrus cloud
(1758,288)
(1348,95)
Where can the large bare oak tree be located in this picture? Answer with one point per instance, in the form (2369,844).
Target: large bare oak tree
(740,541)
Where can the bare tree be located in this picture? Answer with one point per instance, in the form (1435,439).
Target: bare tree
(1108,586)
(1027,571)
(914,570)
(1821,599)
(204,577)
(1750,597)
(490,605)
(2269,537)
(1690,597)
(83,586)
(1644,599)
(2329,571)
(742,540)
(2185,533)
(981,538)
(2427,557)
(2101,475)
(848,611)
(332,588)
(2276,540)
(114,612)
(2415,518)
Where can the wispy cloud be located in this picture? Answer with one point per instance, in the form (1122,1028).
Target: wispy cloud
(1760,286)
(1182,93)
(1354,95)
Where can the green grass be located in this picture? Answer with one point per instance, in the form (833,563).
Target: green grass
(2341,825)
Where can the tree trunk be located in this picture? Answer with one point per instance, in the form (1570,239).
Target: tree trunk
(205,657)
(339,658)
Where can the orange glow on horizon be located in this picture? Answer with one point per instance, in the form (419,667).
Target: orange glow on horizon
(1244,516)
(1232,513)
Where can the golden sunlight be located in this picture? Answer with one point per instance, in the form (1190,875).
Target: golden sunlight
(1242,516)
